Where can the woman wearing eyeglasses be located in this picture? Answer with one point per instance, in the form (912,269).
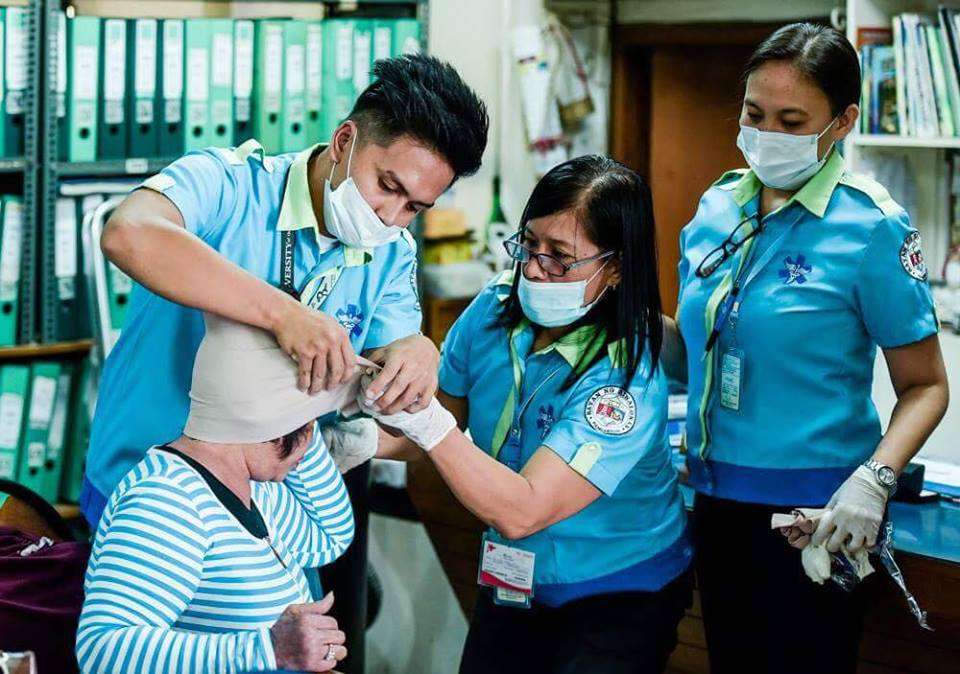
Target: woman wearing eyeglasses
(552,368)
(792,273)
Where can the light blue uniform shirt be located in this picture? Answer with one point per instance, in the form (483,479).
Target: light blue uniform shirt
(235,201)
(633,537)
(846,276)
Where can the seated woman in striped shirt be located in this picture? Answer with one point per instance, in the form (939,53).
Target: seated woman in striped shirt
(198,561)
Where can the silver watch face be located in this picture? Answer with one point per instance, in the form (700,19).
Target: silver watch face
(887,476)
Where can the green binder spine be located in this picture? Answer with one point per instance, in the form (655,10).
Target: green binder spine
(170,89)
(362,55)
(382,39)
(313,126)
(197,84)
(82,400)
(268,85)
(221,83)
(63,135)
(56,438)
(83,92)
(72,306)
(406,37)
(11,243)
(142,87)
(3,86)
(243,37)
(15,79)
(33,449)
(112,132)
(119,287)
(338,73)
(294,85)
(14,382)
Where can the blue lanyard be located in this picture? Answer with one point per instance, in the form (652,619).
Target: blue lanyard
(751,269)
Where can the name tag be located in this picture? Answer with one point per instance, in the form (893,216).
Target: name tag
(508,570)
(731,379)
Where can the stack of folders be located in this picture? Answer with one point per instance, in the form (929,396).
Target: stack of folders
(161,87)
(45,412)
(75,305)
(13,78)
(911,77)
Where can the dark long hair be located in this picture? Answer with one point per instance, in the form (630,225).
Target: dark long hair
(614,206)
(823,54)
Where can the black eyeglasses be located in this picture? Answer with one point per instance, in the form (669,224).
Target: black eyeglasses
(551,265)
(716,257)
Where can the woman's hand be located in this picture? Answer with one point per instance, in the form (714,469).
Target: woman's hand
(408,380)
(426,428)
(854,514)
(318,343)
(305,638)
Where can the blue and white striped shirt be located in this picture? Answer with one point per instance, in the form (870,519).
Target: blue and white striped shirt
(176,584)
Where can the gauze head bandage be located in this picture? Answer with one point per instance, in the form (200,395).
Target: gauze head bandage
(244,388)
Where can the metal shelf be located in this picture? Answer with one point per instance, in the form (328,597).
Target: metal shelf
(896,141)
(12,164)
(119,167)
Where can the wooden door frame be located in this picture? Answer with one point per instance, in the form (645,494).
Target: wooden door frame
(632,46)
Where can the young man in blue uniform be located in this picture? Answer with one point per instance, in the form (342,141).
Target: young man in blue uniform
(311,246)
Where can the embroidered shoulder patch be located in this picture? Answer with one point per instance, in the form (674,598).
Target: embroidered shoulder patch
(611,410)
(911,257)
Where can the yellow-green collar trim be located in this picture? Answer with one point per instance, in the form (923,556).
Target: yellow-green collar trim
(296,211)
(814,195)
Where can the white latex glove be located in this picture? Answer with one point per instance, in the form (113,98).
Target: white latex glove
(425,428)
(351,443)
(854,514)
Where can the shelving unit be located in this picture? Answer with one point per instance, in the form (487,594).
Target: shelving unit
(30,351)
(51,170)
(12,165)
(926,157)
(894,141)
(19,175)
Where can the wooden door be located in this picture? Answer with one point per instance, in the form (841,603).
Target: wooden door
(694,97)
(674,110)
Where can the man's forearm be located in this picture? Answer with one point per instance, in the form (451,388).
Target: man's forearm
(175,264)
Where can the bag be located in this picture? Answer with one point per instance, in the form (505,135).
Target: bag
(41,588)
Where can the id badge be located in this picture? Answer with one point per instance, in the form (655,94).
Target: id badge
(508,570)
(731,379)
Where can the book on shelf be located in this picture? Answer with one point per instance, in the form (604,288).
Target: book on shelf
(911,75)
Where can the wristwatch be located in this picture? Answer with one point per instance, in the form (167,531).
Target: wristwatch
(886,476)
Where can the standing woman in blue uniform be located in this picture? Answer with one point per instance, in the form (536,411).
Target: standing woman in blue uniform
(552,369)
(791,274)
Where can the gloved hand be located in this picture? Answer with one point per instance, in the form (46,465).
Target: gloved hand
(351,443)
(854,513)
(425,428)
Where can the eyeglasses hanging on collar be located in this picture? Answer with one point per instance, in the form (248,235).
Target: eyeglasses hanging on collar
(728,248)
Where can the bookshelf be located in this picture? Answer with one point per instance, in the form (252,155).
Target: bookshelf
(895,141)
(927,157)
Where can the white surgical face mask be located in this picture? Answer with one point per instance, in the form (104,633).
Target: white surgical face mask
(348,216)
(554,304)
(783,161)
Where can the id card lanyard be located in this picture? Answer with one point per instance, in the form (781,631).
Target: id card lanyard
(723,308)
(507,430)
(318,288)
